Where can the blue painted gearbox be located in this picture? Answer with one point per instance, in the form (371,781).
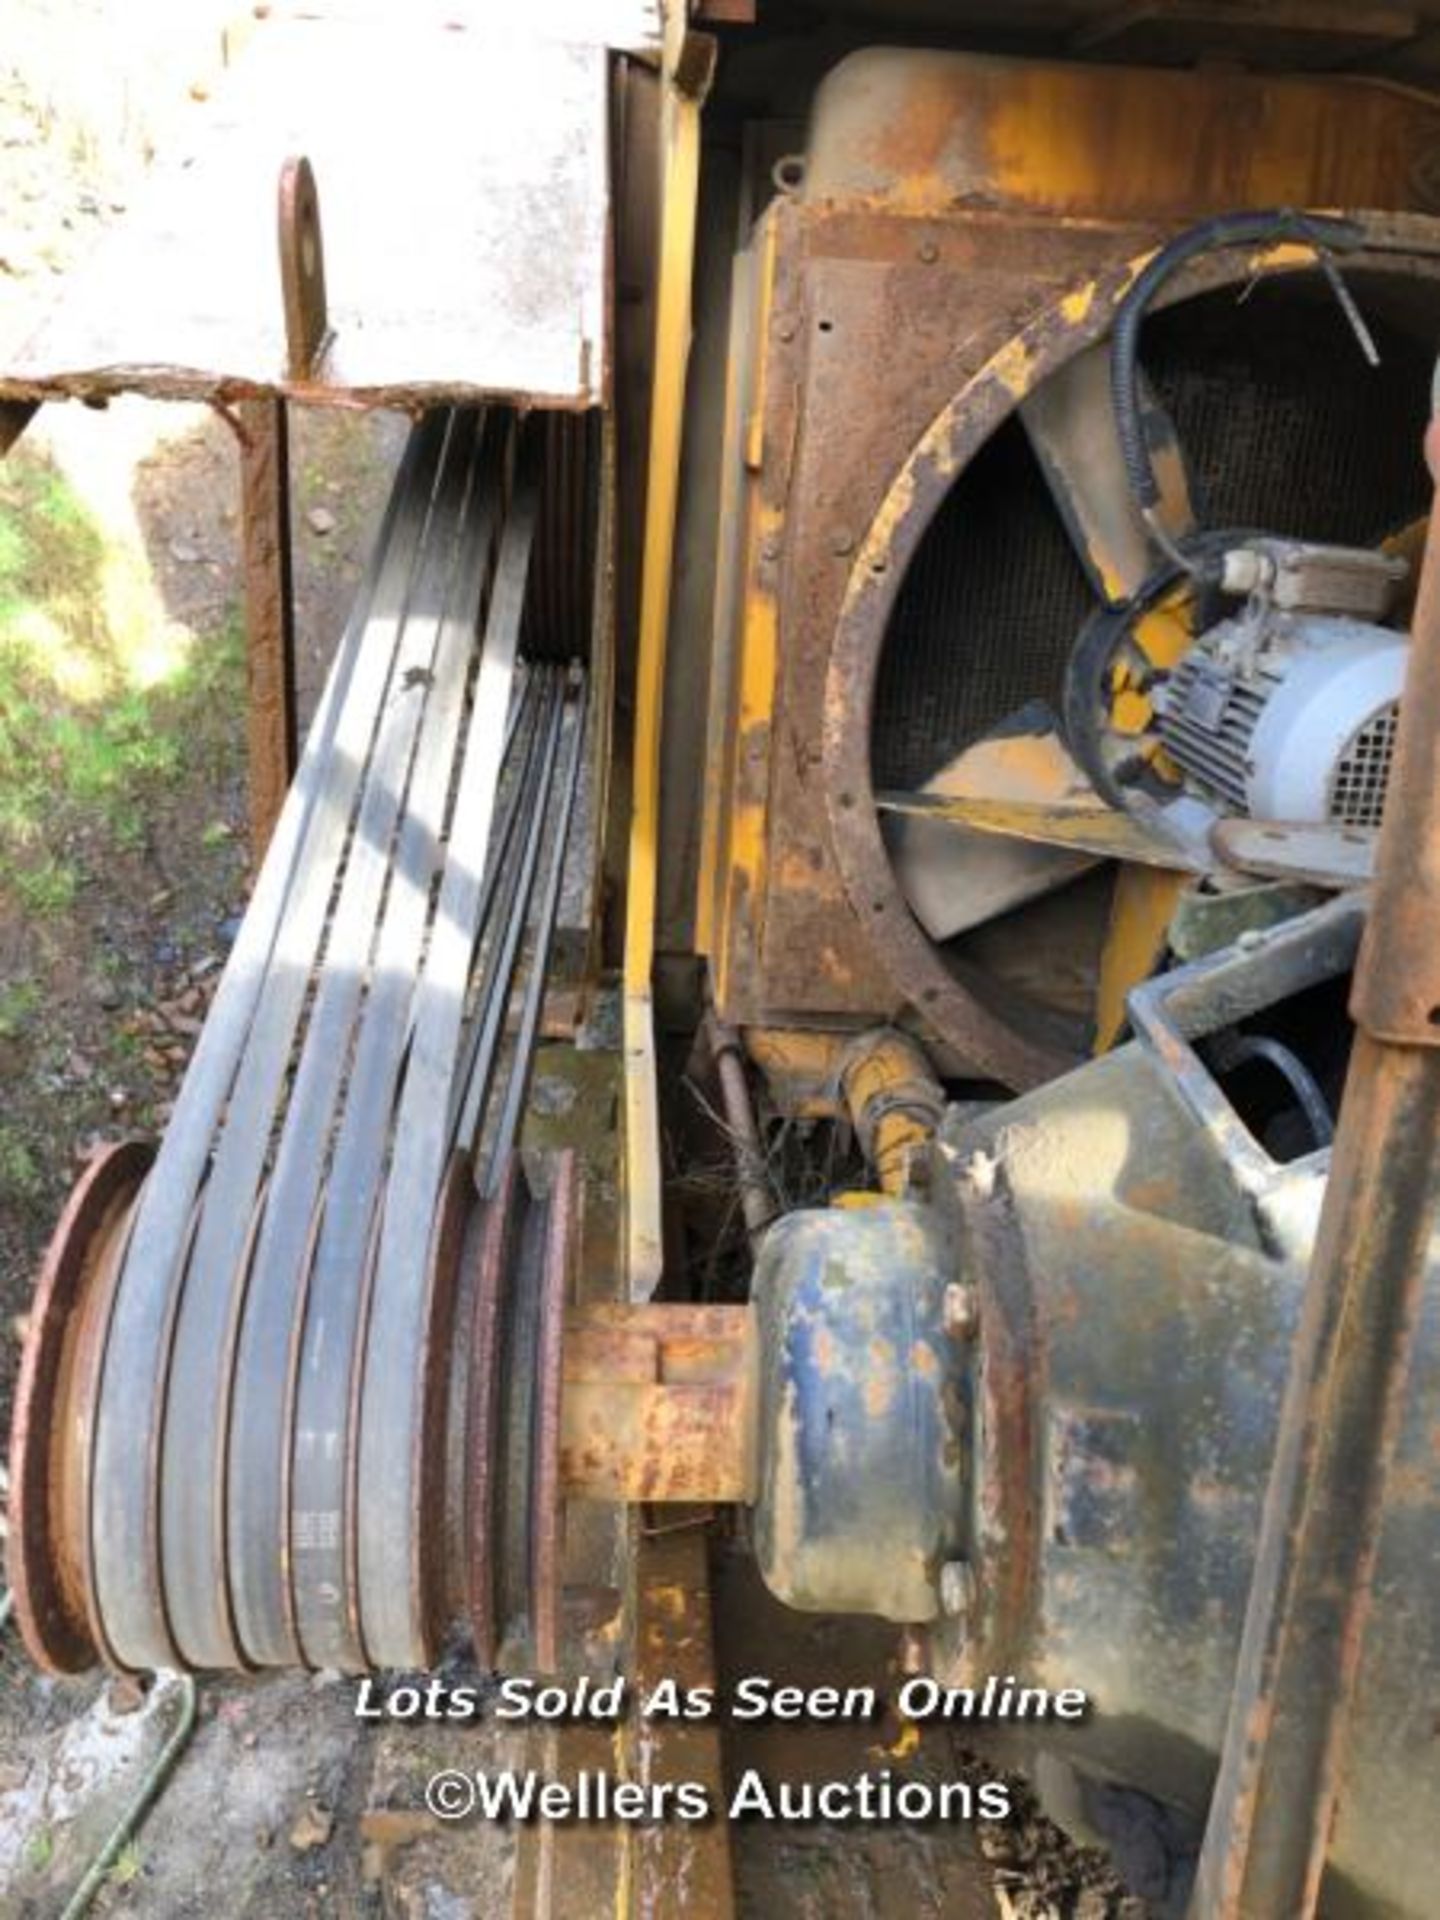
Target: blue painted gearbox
(862,1480)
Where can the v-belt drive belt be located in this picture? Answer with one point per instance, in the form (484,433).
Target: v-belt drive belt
(240,1419)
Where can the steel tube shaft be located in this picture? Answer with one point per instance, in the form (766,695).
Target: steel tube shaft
(1282,1764)
(756,1199)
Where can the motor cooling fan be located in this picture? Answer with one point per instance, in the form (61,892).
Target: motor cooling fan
(1226,674)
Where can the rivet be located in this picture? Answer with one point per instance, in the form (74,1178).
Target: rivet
(842,541)
(928,252)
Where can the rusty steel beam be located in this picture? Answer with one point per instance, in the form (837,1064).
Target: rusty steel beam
(15,416)
(1282,1765)
(689,63)
(269,611)
(674,1867)
(570,1870)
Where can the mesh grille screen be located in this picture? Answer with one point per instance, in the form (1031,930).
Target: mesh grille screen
(1284,427)
(1284,424)
(985,617)
(1357,787)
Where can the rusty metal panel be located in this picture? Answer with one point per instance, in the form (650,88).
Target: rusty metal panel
(876,307)
(627,26)
(940,132)
(883,327)
(462,180)
(269,612)
(658,1404)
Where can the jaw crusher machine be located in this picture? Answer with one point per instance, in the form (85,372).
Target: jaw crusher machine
(941,548)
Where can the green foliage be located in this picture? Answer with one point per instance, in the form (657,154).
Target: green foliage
(128,1865)
(86,736)
(20,1178)
(46,886)
(20,1002)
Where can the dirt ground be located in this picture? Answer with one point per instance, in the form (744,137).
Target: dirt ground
(123,871)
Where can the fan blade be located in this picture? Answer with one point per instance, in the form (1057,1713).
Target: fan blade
(1074,828)
(955,879)
(1071,424)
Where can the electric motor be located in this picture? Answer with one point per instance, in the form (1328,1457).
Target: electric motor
(1288,710)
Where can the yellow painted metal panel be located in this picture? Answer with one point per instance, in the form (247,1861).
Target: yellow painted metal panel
(688,63)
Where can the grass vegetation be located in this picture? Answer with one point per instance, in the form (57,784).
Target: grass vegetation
(129,1864)
(20,1178)
(19,1003)
(118,723)
(103,699)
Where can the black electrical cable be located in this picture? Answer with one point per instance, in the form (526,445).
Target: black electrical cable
(1087,693)
(1241,1048)
(1321,232)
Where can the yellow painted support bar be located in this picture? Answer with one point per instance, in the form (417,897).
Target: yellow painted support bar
(688,65)
(742,687)
(1144,905)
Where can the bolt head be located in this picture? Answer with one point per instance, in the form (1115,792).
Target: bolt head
(928,252)
(842,541)
(957,1588)
(960,1310)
